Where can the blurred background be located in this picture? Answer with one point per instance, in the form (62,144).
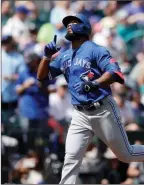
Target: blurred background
(35,119)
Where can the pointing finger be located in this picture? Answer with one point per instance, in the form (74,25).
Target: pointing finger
(55,39)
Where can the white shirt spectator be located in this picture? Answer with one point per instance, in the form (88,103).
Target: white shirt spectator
(60,102)
(60,108)
(34,177)
(16,27)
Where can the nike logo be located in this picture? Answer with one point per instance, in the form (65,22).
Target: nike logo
(66,55)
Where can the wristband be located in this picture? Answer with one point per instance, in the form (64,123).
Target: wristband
(47,58)
(95,83)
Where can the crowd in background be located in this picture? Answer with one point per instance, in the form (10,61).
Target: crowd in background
(35,119)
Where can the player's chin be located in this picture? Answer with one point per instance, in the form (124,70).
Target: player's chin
(71,36)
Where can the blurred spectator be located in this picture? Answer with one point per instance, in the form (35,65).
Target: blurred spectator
(118,50)
(93,164)
(12,65)
(78,7)
(111,8)
(33,100)
(60,106)
(137,75)
(130,33)
(112,174)
(135,172)
(29,161)
(18,25)
(106,35)
(34,17)
(6,11)
(42,7)
(32,40)
(138,69)
(125,110)
(104,28)
(108,21)
(52,168)
(132,109)
(37,17)
(90,159)
(59,102)
(60,10)
(135,7)
(83,7)
(110,40)
(32,177)
(135,10)
(28,169)
(120,90)
(138,108)
(8,146)
(128,114)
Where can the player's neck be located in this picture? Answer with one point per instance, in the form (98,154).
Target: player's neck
(78,43)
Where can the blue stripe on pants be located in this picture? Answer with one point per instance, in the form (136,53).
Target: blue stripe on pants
(123,132)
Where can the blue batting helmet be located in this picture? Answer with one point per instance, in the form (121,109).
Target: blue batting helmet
(84,28)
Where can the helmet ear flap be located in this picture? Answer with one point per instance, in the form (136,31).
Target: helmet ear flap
(80,29)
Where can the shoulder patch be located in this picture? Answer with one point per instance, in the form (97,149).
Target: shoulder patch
(112,60)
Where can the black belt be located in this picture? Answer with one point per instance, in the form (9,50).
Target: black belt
(90,107)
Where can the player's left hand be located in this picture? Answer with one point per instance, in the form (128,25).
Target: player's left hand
(88,86)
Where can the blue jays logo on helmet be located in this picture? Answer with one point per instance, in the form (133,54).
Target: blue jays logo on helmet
(84,26)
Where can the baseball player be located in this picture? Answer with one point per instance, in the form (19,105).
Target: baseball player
(89,70)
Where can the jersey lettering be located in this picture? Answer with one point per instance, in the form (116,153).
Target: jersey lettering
(78,62)
(66,64)
(82,62)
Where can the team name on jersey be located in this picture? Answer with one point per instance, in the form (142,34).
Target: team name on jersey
(83,62)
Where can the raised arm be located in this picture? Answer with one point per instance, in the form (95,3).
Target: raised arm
(44,66)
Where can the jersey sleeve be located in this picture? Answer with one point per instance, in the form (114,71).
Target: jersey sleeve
(55,68)
(106,63)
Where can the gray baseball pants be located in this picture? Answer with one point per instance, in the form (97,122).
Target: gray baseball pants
(105,123)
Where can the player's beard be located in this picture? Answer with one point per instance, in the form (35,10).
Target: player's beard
(71,36)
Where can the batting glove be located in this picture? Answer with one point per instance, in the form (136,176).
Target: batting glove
(51,48)
(88,86)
